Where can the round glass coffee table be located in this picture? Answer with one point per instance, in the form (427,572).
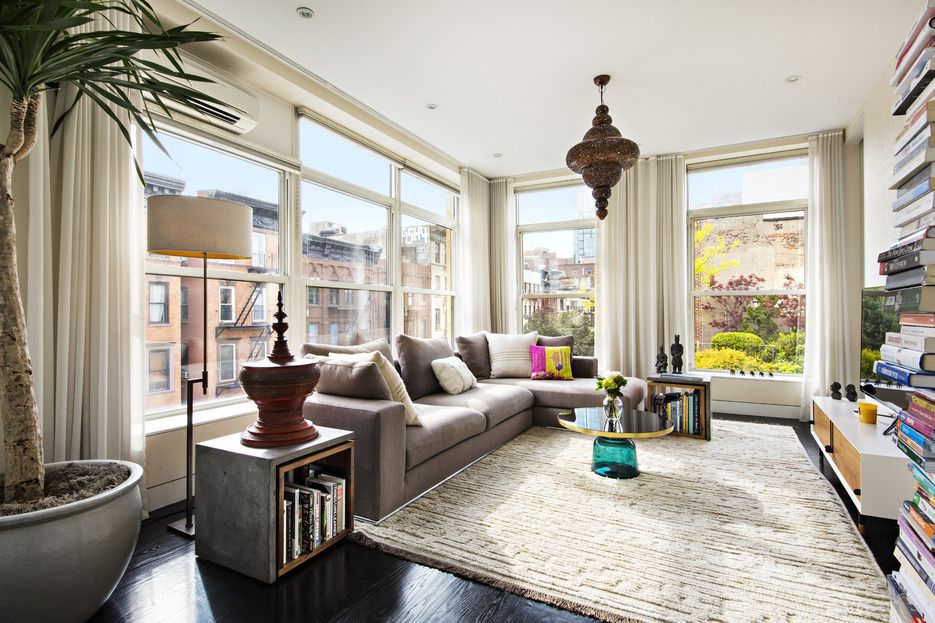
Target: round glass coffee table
(614,454)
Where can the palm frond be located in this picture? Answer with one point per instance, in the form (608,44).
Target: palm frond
(41,44)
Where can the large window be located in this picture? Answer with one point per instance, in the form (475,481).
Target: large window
(363,216)
(558,254)
(748,250)
(236,289)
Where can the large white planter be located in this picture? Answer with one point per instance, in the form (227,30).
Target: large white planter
(61,564)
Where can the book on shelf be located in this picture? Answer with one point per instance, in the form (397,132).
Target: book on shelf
(913,46)
(915,299)
(926,430)
(683,408)
(919,276)
(684,378)
(902,610)
(915,211)
(921,319)
(915,87)
(909,246)
(902,375)
(914,360)
(915,330)
(920,184)
(916,222)
(905,263)
(921,343)
(289,527)
(917,440)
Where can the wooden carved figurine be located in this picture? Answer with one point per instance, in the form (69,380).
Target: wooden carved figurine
(677,349)
(836,391)
(662,361)
(850,392)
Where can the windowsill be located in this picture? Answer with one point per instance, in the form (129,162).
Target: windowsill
(170,423)
(787,378)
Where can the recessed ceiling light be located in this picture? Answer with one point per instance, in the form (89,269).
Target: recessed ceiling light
(497,155)
(305,12)
(431,106)
(793,78)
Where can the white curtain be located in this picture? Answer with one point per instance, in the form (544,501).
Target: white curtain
(98,375)
(642,280)
(503,294)
(472,312)
(830,354)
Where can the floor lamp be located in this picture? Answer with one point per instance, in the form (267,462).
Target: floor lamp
(210,229)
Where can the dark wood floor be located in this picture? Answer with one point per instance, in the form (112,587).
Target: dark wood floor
(348,583)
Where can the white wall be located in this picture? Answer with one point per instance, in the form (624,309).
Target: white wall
(879,129)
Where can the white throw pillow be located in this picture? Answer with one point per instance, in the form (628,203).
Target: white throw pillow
(453,375)
(509,354)
(392,378)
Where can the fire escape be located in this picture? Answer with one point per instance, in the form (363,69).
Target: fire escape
(244,322)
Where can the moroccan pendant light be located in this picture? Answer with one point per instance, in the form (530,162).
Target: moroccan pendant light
(603,155)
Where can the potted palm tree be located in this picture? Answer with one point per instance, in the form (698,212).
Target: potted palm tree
(63,555)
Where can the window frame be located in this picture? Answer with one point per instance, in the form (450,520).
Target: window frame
(396,210)
(221,305)
(288,171)
(221,347)
(165,304)
(259,304)
(183,303)
(570,225)
(167,350)
(737,210)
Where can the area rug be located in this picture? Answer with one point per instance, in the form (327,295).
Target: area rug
(741,528)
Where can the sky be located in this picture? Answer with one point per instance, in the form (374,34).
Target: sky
(771,180)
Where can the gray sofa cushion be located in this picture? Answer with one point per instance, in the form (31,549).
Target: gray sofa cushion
(497,402)
(473,350)
(564,340)
(566,394)
(442,428)
(415,363)
(574,393)
(322,350)
(355,379)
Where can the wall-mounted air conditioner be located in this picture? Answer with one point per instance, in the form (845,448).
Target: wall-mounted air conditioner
(239,110)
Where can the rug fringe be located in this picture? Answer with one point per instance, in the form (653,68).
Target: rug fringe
(443,565)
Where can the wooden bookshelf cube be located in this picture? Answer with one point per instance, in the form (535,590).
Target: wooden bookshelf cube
(657,384)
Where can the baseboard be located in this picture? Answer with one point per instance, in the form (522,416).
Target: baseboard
(791,412)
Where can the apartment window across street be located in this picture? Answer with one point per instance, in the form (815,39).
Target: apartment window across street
(158,302)
(747,223)
(158,369)
(234,306)
(226,304)
(227,363)
(183,303)
(557,258)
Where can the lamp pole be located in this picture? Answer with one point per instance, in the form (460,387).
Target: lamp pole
(186,527)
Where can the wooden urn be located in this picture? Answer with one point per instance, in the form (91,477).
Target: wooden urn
(279,385)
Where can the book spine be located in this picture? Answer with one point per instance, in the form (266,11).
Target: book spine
(290,531)
(917,424)
(909,299)
(915,458)
(913,562)
(914,211)
(901,263)
(902,356)
(922,478)
(921,552)
(915,513)
(917,438)
(903,249)
(912,445)
(921,412)
(893,373)
(912,342)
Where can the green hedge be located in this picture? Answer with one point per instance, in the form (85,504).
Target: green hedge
(737,340)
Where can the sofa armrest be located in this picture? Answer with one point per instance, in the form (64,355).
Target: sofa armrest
(584,367)
(379,428)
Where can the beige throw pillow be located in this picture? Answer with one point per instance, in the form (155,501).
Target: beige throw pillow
(392,378)
(453,375)
(509,354)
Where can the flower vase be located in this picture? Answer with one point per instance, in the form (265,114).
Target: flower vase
(613,405)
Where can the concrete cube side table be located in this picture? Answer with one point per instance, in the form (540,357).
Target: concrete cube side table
(239,496)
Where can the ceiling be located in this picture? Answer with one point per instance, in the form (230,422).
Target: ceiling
(516,77)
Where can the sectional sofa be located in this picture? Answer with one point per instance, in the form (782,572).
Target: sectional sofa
(395,463)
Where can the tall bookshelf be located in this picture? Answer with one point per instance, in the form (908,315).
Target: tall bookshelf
(912,586)
(667,384)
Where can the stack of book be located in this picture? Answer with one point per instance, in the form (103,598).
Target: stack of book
(683,408)
(313,511)
(907,356)
(912,587)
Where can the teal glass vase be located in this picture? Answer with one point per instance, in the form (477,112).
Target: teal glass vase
(614,458)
